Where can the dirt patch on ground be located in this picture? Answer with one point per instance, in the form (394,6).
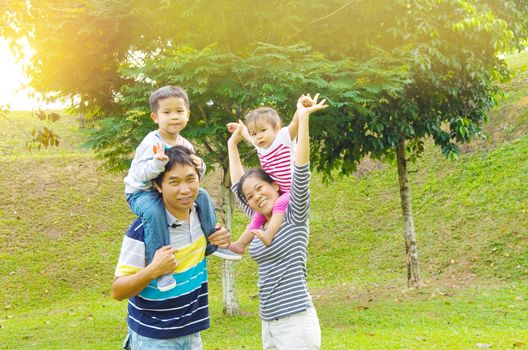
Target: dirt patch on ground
(437,287)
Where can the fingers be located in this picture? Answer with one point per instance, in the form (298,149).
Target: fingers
(159,148)
(221,237)
(231,127)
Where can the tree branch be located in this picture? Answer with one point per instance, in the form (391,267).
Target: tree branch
(324,18)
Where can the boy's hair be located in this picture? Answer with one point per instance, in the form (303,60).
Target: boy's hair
(178,155)
(256,172)
(267,114)
(166,92)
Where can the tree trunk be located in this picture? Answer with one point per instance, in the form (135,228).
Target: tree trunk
(411,260)
(231,307)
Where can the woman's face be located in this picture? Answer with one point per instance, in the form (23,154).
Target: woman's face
(260,194)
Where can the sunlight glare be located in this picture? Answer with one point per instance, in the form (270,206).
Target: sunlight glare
(14,90)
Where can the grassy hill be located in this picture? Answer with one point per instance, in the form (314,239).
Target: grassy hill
(62,221)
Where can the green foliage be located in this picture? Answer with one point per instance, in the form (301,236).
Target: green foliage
(449,48)
(223,87)
(45,136)
(455,75)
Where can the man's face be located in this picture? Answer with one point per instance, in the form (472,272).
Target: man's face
(179,188)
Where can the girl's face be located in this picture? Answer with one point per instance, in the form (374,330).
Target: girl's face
(262,133)
(260,195)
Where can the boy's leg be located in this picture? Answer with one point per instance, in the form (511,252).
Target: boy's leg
(206,212)
(148,205)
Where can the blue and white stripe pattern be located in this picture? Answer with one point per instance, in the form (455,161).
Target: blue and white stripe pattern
(180,311)
(283,290)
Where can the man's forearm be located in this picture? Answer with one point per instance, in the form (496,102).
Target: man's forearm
(128,286)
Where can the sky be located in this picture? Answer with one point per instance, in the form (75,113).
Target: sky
(13,83)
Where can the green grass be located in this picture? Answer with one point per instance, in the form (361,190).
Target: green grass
(62,222)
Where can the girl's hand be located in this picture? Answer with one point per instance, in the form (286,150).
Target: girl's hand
(231,127)
(159,152)
(236,135)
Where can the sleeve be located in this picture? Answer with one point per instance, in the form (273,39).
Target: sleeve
(247,209)
(257,220)
(144,166)
(131,258)
(299,206)
(281,203)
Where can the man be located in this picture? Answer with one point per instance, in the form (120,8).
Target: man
(174,318)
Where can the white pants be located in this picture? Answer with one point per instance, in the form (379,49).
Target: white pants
(300,331)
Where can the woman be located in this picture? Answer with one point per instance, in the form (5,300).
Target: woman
(289,319)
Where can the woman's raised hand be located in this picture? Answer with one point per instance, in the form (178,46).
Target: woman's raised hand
(307,105)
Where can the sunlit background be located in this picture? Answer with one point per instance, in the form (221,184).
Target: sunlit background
(14,82)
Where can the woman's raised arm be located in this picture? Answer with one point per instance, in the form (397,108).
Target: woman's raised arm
(302,155)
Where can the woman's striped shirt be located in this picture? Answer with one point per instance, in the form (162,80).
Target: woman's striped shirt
(283,290)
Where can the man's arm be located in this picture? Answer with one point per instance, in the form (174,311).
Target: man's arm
(128,286)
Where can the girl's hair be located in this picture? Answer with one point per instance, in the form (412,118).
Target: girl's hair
(267,114)
(256,172)
(166,92)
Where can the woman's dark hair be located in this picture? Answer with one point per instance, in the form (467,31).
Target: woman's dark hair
(178,155)
(258,173)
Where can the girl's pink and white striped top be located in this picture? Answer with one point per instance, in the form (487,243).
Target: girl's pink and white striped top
(277,159)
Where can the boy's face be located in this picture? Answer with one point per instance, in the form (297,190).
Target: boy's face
(262,133)
(172,115)
(179,188)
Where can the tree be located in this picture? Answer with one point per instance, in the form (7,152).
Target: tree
(381,107)
(455,71)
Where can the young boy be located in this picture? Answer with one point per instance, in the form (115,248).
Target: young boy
(170,110)
(275,148)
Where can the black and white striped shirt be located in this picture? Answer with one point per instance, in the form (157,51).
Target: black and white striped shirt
(283,290)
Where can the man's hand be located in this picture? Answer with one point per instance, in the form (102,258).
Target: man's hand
(159,152)
(221,237)
(164,261)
